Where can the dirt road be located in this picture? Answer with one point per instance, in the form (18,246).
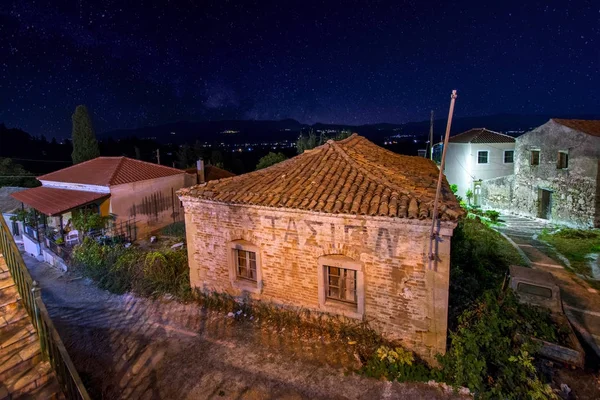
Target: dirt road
(131,348)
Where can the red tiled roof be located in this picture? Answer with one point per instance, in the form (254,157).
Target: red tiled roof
(481,135)
(110,171)
(589,126)
(352,176)
(52,201)
(213,173)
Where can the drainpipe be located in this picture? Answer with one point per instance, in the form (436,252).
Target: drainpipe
(435,235)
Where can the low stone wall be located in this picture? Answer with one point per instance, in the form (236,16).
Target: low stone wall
(497,193)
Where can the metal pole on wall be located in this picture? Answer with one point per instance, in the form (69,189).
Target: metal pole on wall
(431,136)
(434,235)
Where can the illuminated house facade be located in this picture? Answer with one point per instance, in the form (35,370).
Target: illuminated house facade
(476,155)
(557,175)
(341,229)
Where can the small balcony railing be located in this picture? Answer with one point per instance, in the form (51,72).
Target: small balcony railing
(32,232)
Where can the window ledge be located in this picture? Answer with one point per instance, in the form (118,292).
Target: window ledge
(341,308)
(247,286)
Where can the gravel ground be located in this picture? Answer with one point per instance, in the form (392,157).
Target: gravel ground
(126,347)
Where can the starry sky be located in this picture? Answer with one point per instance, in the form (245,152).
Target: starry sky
(137,63)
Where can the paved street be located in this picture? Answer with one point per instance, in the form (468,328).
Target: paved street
(581,302)
(131,347)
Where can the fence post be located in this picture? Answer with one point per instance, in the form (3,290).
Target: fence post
(35,290)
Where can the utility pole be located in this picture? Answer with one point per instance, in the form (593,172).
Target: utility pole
(158,156)
(431,136)
(435,235)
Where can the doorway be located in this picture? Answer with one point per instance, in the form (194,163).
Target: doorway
(477,193)
(544,203)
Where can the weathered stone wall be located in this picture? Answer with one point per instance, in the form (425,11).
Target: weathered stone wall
(497,193)
(402,296)
(574,190)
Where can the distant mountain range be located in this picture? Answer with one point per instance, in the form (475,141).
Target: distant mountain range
(240,131)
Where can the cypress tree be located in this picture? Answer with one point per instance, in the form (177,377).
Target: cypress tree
(85,145)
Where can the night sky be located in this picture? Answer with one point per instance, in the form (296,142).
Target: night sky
(335,62)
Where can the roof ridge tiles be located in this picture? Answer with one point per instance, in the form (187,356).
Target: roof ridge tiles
(116,171)
(350,176)
(364,171)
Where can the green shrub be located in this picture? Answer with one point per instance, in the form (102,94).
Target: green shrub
(165,272)
(479,261)
(397,364)
(492,215)
(486,356)
(86,220)
(119,269)
(486,352)
(176,229)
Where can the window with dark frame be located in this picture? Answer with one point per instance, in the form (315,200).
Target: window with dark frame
(482,157)
(535,157)
(509,156)
(341,284)
(245,264)
(563,160)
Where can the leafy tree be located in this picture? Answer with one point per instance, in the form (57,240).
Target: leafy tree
(270,159)
(186,156)
(12,174)
(85,145)
(311,141)
(216,158)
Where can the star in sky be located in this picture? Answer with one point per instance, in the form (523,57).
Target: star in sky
(145,63)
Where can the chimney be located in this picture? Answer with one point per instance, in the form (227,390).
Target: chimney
(200,170)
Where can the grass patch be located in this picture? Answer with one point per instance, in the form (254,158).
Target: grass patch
(575,245)
(479,261)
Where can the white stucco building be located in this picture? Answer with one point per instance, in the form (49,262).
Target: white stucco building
(475,155)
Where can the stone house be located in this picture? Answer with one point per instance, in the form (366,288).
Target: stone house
(556,174)
(341,229)
(475,155)
(124,188)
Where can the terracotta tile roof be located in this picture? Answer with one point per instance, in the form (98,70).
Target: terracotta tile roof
(352,176)
(589,126)
(481,135)
(213,173)
(52,201)
(109,171)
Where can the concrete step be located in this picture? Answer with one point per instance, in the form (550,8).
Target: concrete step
(28,381)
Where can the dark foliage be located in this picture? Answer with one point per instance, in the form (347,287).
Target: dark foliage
(85,145)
